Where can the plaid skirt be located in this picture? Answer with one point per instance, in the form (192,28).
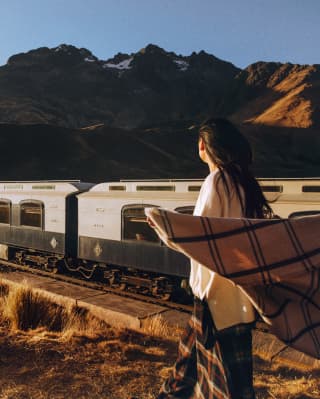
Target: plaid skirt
(211,364)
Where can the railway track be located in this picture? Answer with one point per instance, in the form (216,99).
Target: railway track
(6,266)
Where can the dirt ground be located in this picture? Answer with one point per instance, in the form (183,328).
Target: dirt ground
(114,364)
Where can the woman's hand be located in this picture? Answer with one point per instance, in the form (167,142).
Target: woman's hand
(150,223)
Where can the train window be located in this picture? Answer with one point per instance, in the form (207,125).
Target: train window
(135,225)
(272,189)
(5,211)
(43,187)
(117,188)
(194,188)
(31,214)
(13,186)
(185,209)
(303,213)
(311,189)
(155,188)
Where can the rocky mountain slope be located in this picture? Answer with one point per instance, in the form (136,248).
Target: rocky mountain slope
(70,87)
(282,95)
(66,114)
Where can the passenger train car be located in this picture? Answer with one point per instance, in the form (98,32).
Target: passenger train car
(113,230)
(100,231)
(38,221)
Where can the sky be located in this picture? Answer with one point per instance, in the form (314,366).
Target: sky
(238,31)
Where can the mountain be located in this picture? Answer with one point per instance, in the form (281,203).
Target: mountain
(280,95)
(66,114)
(70,87)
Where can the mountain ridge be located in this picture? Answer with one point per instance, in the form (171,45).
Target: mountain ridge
(71,87)
(66,114)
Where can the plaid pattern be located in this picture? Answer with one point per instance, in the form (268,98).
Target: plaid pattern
(211,364)
(236,348)
(276,262)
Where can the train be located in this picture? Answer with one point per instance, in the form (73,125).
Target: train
(100,231)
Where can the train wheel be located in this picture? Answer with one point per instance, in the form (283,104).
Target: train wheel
(158,293)
(52,266)
(19,258)
(114,278)
(123,286)
(165,297)
(161,288)
(55,270)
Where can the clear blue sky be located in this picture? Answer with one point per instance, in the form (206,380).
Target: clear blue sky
(239,31)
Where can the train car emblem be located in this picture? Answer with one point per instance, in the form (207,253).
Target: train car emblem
(53,242)
(97,249)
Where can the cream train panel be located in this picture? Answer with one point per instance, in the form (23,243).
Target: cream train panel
(103,209)
(52,196)
(100,213)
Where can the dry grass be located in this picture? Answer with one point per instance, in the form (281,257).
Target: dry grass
(156,326)
(48,351)
(277,380)
(28,309)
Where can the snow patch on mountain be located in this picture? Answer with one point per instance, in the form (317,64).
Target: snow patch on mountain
(182,65)
(123,65)
(90,59)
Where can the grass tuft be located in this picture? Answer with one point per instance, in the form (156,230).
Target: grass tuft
(27,309)
(156,326)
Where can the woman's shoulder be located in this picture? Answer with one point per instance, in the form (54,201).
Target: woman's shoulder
(220,182)
(211,196)
(210,185)
(212,177)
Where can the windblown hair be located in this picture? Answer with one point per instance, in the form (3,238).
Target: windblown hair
(230,151)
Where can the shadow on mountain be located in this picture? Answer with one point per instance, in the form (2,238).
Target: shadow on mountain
(284,152)
(100,153)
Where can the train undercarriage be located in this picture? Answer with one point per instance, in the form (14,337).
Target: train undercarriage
(163,287)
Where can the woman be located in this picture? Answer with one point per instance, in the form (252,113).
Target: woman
(215,355)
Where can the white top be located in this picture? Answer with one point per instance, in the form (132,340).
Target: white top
(228,304)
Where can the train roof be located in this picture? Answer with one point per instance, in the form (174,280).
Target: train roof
(158,185)
(49,186)
(269,185)
(140,196)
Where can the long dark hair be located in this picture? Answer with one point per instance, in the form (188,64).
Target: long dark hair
(230,151)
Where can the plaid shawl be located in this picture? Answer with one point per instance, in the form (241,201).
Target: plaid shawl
(275,261)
